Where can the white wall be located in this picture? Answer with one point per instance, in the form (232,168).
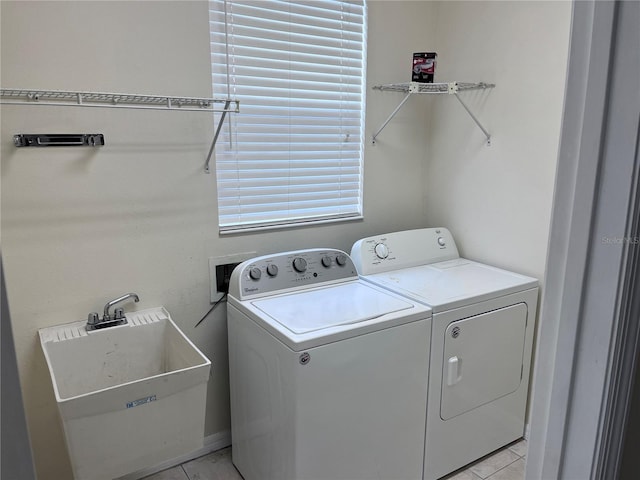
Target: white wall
(82,226)
(496,200)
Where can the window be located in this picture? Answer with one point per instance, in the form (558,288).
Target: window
(293,154)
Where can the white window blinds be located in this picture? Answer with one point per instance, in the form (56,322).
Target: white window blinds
(294,152)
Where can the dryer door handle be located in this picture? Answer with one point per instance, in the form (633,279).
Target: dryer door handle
(454,371)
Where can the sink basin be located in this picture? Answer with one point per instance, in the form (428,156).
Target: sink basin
(130,396)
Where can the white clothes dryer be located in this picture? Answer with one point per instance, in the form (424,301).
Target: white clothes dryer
(328,373)
(481,341)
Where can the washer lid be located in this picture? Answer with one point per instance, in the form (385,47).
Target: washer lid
(315,310)
(453,283)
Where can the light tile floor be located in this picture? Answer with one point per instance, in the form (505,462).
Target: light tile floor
(505,464)
(213,466)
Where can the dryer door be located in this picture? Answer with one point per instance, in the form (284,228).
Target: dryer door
(483,358)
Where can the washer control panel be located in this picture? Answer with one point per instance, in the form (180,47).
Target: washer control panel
(284,271)
(405,249)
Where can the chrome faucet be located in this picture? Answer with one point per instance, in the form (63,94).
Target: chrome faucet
(94,322)
(119,312)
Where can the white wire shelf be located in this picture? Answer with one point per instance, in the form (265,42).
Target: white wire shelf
(451,88)
(115,100)
(418,87)
(19,96)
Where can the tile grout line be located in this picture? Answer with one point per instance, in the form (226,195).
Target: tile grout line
(185,472)
(475,476)
(489,477)
(516,443)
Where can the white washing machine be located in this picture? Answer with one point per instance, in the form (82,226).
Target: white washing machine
(481,340)
(328,372)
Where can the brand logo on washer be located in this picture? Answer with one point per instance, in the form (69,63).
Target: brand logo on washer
(305,358)
(455,332)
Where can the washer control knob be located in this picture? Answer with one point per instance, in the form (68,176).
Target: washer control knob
(326,261)
(441,242)
(299,264)
(272,270)
(341,259)
(255,273)
(382,251)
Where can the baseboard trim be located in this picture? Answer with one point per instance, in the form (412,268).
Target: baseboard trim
(211,444)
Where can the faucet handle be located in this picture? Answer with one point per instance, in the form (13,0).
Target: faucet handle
(118,314)
(93,318)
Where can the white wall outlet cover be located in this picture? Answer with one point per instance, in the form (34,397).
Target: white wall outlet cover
(223,260)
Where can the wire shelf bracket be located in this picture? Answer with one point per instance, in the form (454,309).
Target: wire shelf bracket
(451,88)
(14,96)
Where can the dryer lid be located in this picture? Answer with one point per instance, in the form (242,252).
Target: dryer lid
(314,310)
(453,283)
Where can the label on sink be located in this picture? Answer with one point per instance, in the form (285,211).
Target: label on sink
(141,401)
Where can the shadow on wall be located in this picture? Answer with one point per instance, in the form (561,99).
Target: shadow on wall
(16,449)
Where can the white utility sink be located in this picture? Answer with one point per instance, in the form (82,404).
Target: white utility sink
(130,396)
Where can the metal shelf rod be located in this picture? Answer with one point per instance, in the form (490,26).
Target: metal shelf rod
(215,138)
(484,130)
(393,114)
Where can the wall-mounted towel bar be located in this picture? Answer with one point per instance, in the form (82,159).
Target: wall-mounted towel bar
(59,140)
(16,96)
